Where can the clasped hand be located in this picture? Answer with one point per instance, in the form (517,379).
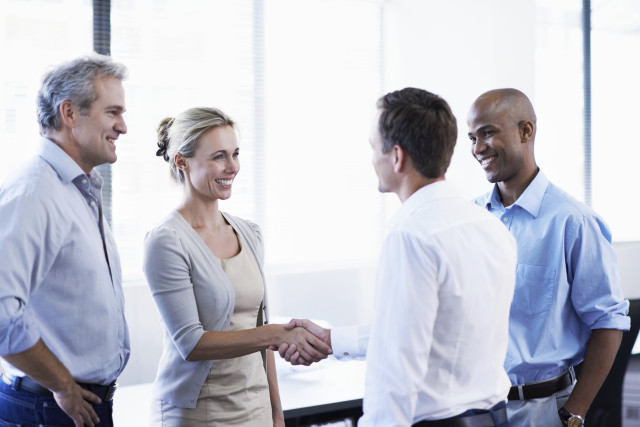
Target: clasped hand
(304,352)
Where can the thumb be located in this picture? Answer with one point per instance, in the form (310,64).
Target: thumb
(292,324)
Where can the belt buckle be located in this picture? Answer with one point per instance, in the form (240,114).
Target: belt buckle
(520,391)
(111,391)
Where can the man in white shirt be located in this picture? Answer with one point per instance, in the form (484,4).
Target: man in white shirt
(445,281)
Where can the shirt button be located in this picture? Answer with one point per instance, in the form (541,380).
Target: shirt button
(93,203)
(505,219)
(346,353)
(84,180)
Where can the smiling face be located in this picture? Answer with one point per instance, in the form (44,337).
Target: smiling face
(94,132)
(496,140)
(214,165)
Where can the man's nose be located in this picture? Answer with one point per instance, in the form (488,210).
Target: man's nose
(121,126)
(478,147)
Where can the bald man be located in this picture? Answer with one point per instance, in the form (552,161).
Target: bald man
(567,304)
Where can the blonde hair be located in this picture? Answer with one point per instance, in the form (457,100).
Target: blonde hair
(180,134)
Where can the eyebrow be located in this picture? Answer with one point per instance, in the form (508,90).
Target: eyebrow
(115,107)
(224,151)
(480,129)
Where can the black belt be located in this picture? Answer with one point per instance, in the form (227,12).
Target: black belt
(477,420)
(540,389)
(104,392)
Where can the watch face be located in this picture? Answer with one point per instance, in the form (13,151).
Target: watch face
(574,422)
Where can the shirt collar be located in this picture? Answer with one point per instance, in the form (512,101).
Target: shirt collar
(530,200)
(66,168)
(428,193)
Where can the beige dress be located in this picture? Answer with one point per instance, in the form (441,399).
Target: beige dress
(236,392)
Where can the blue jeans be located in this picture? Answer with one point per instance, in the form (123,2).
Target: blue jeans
(25,409)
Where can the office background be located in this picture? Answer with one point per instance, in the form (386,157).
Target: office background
(301,78)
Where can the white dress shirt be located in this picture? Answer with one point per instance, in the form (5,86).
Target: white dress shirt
(350,342)
(443,293)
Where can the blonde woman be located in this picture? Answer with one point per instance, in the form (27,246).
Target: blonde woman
(205,271)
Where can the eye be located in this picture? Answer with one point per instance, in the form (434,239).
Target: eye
(472,138)
(487,133)
(218,157)
(236,154)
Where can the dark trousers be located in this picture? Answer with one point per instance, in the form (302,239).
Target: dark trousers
(493,417)
(26,409)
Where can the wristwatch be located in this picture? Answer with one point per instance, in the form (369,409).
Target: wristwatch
(569,419)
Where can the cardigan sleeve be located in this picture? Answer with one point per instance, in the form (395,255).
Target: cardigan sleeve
(168,272)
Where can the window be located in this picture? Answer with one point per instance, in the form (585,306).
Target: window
(28,50)
(300,83)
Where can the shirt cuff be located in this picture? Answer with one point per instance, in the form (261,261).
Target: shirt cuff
(350,342)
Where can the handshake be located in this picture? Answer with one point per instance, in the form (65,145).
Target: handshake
(305,342)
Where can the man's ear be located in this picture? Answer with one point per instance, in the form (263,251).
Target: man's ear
(526,131)
(398,157)
(69,113)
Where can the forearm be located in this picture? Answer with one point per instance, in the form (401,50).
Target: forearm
(214,345)
(41,365)
(599,356)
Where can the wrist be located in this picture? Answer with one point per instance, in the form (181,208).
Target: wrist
(570,420)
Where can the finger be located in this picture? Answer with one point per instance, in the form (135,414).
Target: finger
(79,421)
(301,361)
(317,348)
(306,353)
(273,348)
(91,414)
(292,350)
(295,359)
(282,350)
(90,397)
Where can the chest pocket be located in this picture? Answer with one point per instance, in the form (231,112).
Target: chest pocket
(535,286)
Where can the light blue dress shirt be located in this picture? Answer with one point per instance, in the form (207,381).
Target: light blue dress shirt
(59,279)
(566,282)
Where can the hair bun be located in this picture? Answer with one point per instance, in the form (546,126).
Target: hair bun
(163,138)
(162,150)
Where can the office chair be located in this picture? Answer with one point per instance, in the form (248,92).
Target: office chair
(606,409)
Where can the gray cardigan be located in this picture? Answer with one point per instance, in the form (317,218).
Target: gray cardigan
(193,295)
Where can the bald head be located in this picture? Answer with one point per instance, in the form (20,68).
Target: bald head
(509,101)
(502,127)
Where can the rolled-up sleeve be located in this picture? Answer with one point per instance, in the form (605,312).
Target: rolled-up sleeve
(167,268)
(25,259)
(593,273)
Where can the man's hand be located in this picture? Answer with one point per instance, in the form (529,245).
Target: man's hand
(76,402)
(42,366)
(289,351)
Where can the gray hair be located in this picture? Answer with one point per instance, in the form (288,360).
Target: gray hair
(73,81)
(180,134)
